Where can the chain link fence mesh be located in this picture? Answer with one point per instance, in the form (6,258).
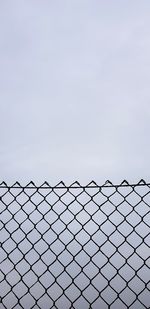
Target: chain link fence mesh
(75,246)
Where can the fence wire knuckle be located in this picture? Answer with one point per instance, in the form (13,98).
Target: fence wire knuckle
(75,246)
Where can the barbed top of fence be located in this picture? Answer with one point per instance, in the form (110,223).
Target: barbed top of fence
(74,185)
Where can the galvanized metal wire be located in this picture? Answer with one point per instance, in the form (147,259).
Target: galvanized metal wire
(75,246)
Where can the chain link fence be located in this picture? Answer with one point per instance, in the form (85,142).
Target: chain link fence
(75,246)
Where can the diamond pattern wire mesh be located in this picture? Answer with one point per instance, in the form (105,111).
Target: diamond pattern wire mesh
(76,246)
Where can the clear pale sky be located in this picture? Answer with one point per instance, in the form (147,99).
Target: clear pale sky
(74,90)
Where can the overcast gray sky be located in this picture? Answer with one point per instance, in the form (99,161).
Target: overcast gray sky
(74,90)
